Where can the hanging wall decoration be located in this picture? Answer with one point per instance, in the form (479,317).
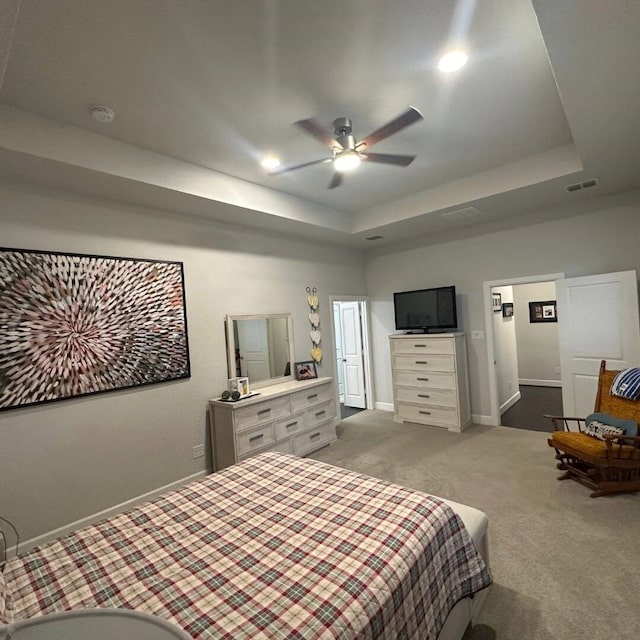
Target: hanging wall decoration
(314,319)
(73,325)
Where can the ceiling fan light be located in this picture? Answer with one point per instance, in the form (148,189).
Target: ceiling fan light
(346,161)
(452,61)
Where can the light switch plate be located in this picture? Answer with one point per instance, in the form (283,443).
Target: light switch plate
(477,335)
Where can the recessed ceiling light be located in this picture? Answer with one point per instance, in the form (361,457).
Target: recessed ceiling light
(452,61)
(270,162)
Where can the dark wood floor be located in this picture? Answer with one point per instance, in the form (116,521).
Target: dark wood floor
(534,403)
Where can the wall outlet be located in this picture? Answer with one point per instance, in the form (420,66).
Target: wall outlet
(198,451)
(557,369)
(477,335)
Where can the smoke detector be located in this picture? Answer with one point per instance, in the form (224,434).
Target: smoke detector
(103,114)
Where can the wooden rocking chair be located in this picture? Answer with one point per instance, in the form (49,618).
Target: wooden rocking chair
(606,466)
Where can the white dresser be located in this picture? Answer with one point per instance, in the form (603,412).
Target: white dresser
(293,417)
(430,380)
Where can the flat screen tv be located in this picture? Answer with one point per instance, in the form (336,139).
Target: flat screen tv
(426,310)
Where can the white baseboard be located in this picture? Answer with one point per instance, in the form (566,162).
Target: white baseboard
(384,406)
(540,383)
(510,402)
(101,515)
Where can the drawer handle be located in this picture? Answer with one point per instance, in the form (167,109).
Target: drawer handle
(312,396)
(314,436)
(291,424)
(264,411)
(425,413)
(423,379)
(256,439)
(320,413)
(419,345)
(423,395)
(421,362)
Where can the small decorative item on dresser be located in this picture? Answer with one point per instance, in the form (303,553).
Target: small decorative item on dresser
(240,384)
(305,370)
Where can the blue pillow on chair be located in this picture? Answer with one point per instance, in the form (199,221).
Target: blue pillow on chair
(630,426)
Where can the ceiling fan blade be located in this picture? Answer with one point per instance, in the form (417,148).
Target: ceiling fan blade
(410,116)
(336,181)
(389,158)
(313,128)
(298,166)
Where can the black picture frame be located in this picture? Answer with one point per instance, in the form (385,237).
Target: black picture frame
(496,302)
(79,324)
(305,370)
(543,311)
(507,309)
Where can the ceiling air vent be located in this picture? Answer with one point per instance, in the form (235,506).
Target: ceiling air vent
(374,238)
(578,186)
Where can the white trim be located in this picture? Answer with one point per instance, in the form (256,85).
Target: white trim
(540,383)
(384,406)
(488,321)
(101,515)
(510,402)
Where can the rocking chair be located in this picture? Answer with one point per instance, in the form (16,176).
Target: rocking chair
(607,465)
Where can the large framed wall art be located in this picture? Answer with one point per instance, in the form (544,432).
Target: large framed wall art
(74,324)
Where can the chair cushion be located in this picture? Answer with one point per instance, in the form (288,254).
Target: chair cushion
(592,446)
(630,427)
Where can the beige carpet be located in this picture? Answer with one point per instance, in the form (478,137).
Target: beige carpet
(565,566)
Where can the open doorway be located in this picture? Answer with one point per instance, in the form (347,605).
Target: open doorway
(523,378)
(351,352)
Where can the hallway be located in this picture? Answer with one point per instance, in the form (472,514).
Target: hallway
(534,402)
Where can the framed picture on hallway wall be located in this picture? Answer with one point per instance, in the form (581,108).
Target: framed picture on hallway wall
(76,324)
(496,301)
(543,311)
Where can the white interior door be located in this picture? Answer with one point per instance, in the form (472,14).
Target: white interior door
(598,320)
(253,344)
(354,395)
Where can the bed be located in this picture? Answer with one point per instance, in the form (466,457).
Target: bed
(273,547)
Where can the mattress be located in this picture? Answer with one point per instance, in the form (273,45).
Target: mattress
(273,547)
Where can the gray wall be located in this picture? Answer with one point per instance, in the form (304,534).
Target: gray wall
(70,459)
(600,242)
(505,352)
(538,350)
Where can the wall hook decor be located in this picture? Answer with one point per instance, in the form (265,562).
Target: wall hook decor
(314,319)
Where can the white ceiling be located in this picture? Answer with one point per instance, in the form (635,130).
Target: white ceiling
(202,89)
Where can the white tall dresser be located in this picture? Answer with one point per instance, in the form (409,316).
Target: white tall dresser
(431,380)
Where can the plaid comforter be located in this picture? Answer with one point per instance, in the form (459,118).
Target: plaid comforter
(274,547)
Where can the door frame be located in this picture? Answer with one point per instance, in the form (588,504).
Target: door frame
(494,417)
(366,344)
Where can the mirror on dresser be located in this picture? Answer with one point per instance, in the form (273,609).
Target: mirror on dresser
(260,347)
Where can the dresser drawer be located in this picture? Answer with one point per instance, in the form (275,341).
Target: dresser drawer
(257,438)
(254,414)
(428,414)
(420,346)
(289,425)
(303,399)
(440,397)
(320,413)
(426,362)
(305,442)
(432,380)
(281,447)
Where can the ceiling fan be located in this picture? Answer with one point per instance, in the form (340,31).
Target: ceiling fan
(347,152)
